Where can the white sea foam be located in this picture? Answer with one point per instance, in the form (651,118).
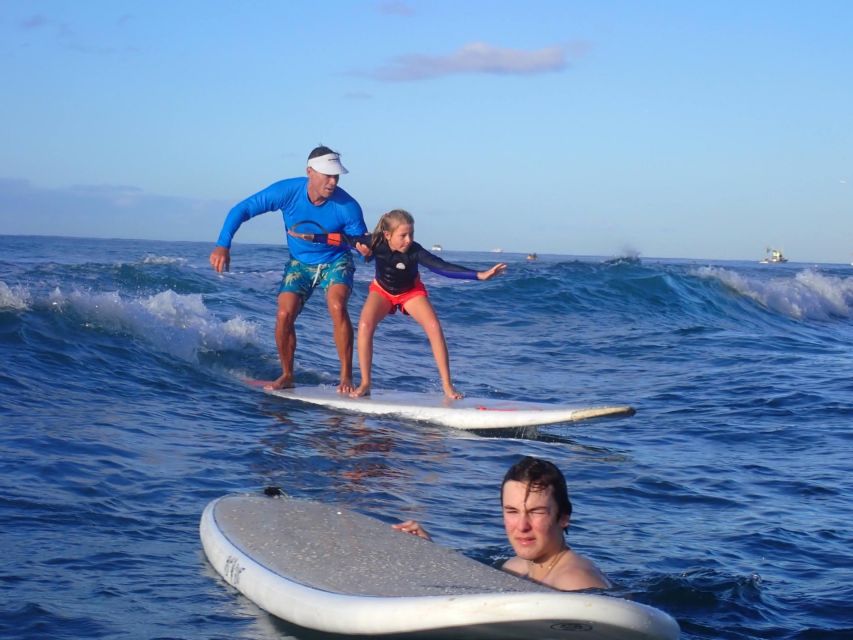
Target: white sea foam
(153,259)
(15,298)
(808,295)
(179,324)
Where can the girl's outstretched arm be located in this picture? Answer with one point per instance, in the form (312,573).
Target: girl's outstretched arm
(488,274)
(444,268)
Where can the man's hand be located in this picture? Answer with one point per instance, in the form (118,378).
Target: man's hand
(220,259)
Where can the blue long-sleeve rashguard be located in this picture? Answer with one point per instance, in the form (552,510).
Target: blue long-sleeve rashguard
(339,214)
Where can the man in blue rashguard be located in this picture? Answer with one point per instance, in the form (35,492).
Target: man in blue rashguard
(311,203)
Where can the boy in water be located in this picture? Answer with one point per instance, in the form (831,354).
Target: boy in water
(537,509)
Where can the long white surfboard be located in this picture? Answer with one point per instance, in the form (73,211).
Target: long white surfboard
(332,570)
(467,413)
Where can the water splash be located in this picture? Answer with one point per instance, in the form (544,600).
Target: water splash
(155,259)
(179,324)
(809,295)
(14,298)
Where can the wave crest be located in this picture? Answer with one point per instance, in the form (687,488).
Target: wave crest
(810,295)
(151,258)
(179,324)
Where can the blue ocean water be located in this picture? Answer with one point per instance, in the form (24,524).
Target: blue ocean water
(724,501)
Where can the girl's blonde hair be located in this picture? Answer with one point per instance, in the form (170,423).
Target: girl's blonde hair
(388,222)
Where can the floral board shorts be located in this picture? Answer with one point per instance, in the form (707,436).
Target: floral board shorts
(301,278)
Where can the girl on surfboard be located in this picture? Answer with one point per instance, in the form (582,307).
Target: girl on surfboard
(397,285)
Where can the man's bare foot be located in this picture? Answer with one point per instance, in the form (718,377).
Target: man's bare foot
(453,394)
(282,382)
(346,386)
(363,391)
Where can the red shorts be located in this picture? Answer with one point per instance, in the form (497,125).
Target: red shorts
(398,301)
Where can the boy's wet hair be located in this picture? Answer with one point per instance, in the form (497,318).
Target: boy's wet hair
(538,475)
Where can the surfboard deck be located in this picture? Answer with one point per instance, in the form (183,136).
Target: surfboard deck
(467,413)
(333,570)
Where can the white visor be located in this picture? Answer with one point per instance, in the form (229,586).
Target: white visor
(329,164)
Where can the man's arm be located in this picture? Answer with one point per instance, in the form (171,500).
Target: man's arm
(355,228)
(334,239)
(273,198)
(353,221)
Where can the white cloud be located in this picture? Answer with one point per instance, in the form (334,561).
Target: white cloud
(396,8)
(478,57)
(35,22)
(358,95)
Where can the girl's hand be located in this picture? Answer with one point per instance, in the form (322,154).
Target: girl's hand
(491,273)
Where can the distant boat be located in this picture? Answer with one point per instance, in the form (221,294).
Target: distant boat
(532,256)
(497,250)
(437,247)
(774,256)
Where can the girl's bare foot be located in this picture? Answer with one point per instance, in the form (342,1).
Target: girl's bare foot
(282,382)
(452,393)
(363,391)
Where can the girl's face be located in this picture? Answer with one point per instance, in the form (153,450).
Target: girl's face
(401,237)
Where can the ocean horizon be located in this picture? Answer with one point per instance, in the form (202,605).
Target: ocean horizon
(629,254)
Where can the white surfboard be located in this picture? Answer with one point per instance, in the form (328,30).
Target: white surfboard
(467,413)
(332,570)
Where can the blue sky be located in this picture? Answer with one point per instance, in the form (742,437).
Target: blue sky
(673,129)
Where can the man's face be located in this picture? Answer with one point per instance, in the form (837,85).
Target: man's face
(320,185)
(532,525)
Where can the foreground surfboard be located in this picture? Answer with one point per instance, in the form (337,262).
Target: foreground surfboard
(468,413)
(332,570)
